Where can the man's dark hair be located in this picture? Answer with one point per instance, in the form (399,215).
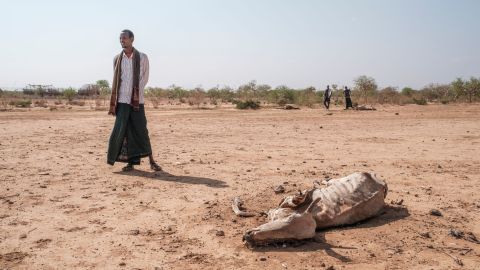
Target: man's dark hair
(128,32)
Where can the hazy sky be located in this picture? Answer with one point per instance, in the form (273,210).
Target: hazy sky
(209,42)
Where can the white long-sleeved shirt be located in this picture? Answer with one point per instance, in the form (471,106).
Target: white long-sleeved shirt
(126,84)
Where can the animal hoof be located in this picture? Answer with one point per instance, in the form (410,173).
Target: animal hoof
(248,238)
(279,189)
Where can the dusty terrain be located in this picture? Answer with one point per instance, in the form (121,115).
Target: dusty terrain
(63,207)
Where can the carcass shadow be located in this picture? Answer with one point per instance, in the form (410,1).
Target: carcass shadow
(318,243)
(389,214)
(165,176)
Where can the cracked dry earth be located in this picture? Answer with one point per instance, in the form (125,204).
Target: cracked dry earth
(63,207)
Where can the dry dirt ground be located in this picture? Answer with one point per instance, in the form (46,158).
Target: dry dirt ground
(63,207)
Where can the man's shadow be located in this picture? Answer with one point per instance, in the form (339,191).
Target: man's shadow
(165,176)
(389,214)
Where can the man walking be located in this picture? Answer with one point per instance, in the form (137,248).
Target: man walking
(129,141)
(326,97)
(348,101)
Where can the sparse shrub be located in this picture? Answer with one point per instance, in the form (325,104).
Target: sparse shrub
(468,89)
(408,91)
(281,95)
(155,95)
(435,92)
(28,92)
(213,94)
(366,86)
(176,92)
(389,95)
(338,102)
(69,94)
(40,103)
(226,94)
(196,97)
(420,101)
(248,90)
(98,103)
(3,104)
(25,103)
(405,100)
(77,102)
(305,97)
(248,104)
(155,101)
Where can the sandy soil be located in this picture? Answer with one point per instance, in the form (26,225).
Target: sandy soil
(63,207)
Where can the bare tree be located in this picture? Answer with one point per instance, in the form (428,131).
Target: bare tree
(248,91)
(335,93)
(197,96)
(472,88)
(389,94)
(366,86)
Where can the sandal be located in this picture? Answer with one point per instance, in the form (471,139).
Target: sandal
(154,166)
(128,168)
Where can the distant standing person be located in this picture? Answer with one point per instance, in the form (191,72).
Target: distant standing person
(326,97)
(348,100)
(129,141)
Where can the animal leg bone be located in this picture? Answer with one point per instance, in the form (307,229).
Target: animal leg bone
(237,207)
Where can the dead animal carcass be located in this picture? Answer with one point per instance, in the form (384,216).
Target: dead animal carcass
(343,201)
